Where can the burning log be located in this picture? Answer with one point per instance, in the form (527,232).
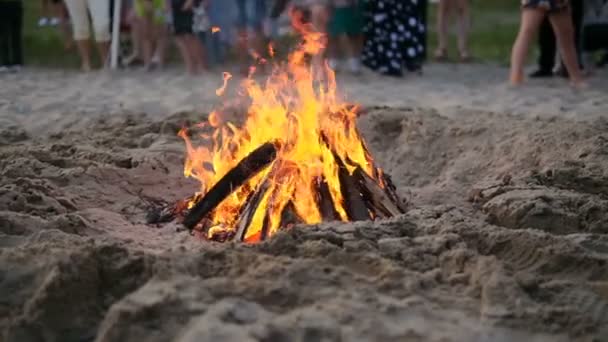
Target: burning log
(381,200)
(251,165)
(249,210)
(353,198)
(325,202)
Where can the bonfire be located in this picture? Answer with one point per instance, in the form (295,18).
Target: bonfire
(297,158)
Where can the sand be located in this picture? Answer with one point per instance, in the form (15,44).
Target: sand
(505,239)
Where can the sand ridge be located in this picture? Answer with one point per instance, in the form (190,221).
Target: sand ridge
(505,238)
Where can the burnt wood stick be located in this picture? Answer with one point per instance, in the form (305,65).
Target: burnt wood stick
(249,210)
(251,165)
(375,195)
(325,202)
(391,191)
(289,215)
(353,201)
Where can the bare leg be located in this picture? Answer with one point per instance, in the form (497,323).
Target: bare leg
(463,29)
(161,44)
(564,33)
(319,19)
(530,22)
(195,49)
(104,51)
(442,28)
(136,38)
(348,46)
(182,44)
(147,40)
(64,27)
(84,49)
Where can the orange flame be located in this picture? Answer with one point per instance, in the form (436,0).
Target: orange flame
(313,126)
(220,91)
(215,29)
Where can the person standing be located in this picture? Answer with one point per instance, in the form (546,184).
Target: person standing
(11,23)
(344,29)
(394,36)
(50,11)
(189,46)
(99,11)
(251,16)
(532,14)
(548,46)
(445,10)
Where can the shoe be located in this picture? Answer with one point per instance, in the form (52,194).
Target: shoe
(540,73)
(54,21)
(43,22)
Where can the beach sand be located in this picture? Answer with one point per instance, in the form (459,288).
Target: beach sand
(506,236)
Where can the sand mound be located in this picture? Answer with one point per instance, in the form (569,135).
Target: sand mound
(506,239)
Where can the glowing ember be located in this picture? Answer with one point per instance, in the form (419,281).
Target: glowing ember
(311,145)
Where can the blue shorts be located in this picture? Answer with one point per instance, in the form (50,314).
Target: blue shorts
(251,13)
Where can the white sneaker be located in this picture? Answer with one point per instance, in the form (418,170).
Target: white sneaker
(43,21)
(54,21)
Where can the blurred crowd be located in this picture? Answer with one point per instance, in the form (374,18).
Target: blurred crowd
(387,36)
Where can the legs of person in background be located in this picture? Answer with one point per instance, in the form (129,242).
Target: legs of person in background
(319,17)
(49,13)
(564,32)
(100,16)
(64,26)
(79,13)
(464,23)
(422,12)
(182,45)
(11,21)
(80,27)
(160,51)
(197,53)
(576,11)
(146,20)
(530,21)
(17,37)
(344,28)
(443,20)
(251,15)
(548,48)
(136,38)
(45,13)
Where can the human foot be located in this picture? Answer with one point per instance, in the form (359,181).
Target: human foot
(580,84)
(441,55)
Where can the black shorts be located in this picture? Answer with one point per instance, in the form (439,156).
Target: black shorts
(182,20)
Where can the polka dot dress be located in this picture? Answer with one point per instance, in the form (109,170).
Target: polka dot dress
(394,36)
